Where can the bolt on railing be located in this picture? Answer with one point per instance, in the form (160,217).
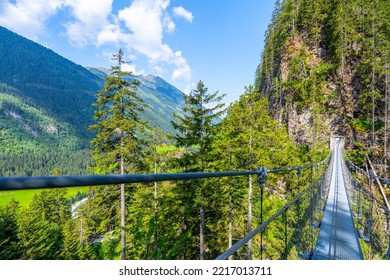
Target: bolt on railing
(374,231)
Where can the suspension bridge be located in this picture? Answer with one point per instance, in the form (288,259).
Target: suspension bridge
(336,217)
(338,238)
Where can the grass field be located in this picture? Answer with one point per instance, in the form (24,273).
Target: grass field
(25,196)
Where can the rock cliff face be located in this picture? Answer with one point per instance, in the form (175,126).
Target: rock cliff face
(325,71)
(310,118)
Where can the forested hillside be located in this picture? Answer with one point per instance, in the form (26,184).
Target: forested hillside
(66,91)
(46,108)
(34,144)
(47,81)
(325,70)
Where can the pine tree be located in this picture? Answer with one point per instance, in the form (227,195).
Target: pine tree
(9,230)
(117,147)
(249,138)
(52,205)
(75,246)
(197,128)
(38,238)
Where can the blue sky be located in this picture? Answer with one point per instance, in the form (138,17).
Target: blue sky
(182,41)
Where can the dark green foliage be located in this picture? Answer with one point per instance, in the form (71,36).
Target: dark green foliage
(197,129)
(79,196)
(250,138)
(325,70)
(34,144)
(118,125)
(308,48)
(9,231)
(52,206)
(46,105)
(40,226)
(38,238)
(43,162)
(119,144)
(254,136)
(358,154)
(75,245)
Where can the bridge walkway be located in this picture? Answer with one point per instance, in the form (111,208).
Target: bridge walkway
(338,239)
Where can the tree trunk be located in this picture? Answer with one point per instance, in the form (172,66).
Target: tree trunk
(201,208)
(386,121)
(230,218)
(155,218)
(250,217)
(201,228)
(123,208)
(379,184)
(373,85)
(123,223)
(155,196)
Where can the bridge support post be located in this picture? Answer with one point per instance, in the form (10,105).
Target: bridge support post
(261,180)
(388,233)
(312,202)
(298,232)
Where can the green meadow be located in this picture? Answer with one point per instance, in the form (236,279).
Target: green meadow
(24,197)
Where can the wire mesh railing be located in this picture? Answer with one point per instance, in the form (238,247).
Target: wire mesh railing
(295,224)
(297,230)
(371,216)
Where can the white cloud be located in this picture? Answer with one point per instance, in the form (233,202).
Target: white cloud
(132,68)
(110,33)
(141,27)
(147,20)
(158,69)
(181,12)
(169,24)
(182,70)
(90,20)
(28,17)
(144,19)
(189,88)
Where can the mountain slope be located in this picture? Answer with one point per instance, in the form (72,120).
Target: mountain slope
(46,108)
(163,98)
(24,128)
(32,143)
(47,81)
(66,91)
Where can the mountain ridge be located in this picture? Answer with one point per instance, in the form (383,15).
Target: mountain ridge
(153,90)
(35,79)
(66,90)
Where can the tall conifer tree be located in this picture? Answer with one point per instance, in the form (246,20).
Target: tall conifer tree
(197,129)
(117,147)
